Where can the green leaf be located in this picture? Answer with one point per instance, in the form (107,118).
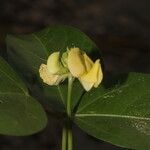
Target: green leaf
(28,52)
(20,114)
(120,113)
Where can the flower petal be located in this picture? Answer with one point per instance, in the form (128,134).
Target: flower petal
(86,85)
(99,77)
(76,62)
(88,62)
(92,75)
(54,65)
(46,76)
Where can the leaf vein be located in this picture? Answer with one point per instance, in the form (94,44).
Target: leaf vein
(14,81)
(112,115)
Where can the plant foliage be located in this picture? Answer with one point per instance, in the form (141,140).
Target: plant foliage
(118,111)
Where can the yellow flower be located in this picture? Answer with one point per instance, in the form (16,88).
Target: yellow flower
(74,62)
(81,66)
(53,73)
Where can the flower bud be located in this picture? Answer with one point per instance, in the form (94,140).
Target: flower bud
(54,65)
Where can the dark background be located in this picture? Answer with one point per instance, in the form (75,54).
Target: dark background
(120,28)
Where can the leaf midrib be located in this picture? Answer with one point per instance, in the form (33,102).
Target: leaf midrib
(112,116)
(14,81)
(37,38)
(43,59)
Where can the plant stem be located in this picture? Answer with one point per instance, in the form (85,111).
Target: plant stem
(70,139)
(64,138)
(70,82)
(67,129)
(69,113)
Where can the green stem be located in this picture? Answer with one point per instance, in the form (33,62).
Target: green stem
(69,113)
(64,138)
(70,138)
(70,82)
(67,129)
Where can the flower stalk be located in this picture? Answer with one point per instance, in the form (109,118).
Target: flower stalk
(64,138)
(72,64)
(69,112)
(70,84)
